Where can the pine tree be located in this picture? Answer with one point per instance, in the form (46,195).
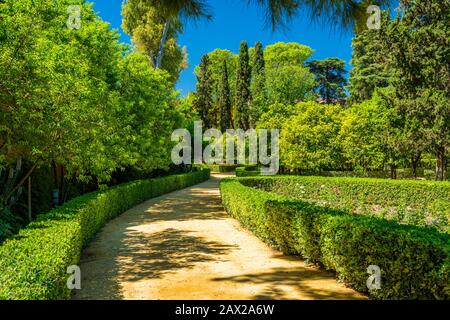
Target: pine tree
(225,99)
(369,64)
(330,78)
(203,102)
(243,95)
(259,90)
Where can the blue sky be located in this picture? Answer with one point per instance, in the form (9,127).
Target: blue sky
(235,21)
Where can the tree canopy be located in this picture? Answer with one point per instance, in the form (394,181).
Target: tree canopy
(77,98)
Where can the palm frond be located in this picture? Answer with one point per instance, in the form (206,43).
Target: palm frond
(185,9)
(278,12)
(342,13)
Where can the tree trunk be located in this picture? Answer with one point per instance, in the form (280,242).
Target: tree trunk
(62,186)
(440,163)
(414,164)
(30,217)
(22,181)
(393,172)
(161,45)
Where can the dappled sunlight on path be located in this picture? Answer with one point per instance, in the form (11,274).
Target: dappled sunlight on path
(184,246)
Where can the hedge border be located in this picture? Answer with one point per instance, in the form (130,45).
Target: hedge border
(247,172)
(415,261)
(33,264)
(421,203)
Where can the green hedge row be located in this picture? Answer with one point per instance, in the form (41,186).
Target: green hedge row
(230,167)
(401,174)
(223,167)
(414,261)
(421,203)
(247,172)
(33,264)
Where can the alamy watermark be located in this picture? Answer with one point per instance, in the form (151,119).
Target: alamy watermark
(74,280)
(374,280)
(374,20)
(235,146)
(74,20)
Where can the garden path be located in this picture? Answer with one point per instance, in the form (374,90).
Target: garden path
(183,245)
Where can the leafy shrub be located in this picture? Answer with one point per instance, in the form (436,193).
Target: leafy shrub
(414,261)
(35,261)
(423,203)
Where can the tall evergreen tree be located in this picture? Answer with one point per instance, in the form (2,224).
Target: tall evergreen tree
(243,95)
(259,90)
(204,102)
(330,78)
(225,99)
(419,48)
(369,64)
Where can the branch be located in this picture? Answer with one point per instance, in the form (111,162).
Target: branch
(22,181)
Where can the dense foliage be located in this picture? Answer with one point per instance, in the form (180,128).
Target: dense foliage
(309,138)
(258,78)
(77,99)
(34,263)
(418,47)
(409,57)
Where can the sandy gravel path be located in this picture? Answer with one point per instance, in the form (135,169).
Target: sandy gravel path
(184,246)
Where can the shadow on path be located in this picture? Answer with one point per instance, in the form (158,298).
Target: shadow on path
(184,246)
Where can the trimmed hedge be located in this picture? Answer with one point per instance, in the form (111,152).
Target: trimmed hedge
(226,168)
(421,203)
(414,261)
(405,174)
(222,168)
(33,264)
(247,205)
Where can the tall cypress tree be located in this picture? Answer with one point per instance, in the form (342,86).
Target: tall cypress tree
(204,102)
(243,94)
(224,99)
(259,93)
